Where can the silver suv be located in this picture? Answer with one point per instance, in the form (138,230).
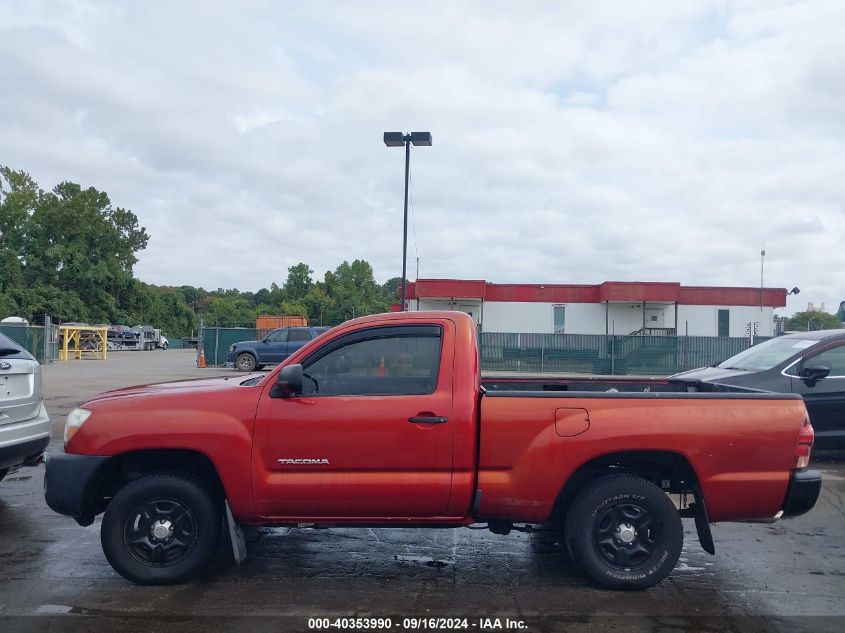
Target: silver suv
(24,424)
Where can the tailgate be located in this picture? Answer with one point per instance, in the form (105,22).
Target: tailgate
(20,390)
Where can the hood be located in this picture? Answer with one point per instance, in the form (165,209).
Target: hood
(241,343)
(193,386)
(711,374)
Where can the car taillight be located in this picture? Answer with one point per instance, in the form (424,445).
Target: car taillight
(805,442)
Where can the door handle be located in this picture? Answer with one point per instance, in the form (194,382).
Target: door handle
(428,419)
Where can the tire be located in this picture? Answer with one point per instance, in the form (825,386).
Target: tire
(245,362)
(161,529)
(608,513)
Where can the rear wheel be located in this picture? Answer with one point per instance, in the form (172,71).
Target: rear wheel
(625,532)
(161,529)
(245,362)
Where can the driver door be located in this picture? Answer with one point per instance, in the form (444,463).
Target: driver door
(274,348)
(370,437)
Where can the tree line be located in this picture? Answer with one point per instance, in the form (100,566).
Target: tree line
(69,253)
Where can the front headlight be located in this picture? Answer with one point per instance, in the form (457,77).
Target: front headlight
(74,420)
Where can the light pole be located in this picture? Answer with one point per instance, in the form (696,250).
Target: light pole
(398,139)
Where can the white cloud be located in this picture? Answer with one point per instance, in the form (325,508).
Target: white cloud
(650,141)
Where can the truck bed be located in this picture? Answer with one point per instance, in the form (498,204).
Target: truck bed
(536,433)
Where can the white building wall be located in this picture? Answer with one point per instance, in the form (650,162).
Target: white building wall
(624,318)
(470,306)
(583,318)
(523,317)
(704,320)
(589,318)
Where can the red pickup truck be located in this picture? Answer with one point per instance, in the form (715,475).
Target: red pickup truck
(385,421)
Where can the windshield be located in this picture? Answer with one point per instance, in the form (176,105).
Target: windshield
(766,355)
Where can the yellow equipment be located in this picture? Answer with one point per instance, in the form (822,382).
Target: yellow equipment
(83,339)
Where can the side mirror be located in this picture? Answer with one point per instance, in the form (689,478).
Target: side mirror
(814,373)
(289,381)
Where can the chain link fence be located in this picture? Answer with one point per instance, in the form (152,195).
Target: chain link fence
(605,354)
(555,353)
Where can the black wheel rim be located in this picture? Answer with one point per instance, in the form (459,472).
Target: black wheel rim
(625,535)
(160,532)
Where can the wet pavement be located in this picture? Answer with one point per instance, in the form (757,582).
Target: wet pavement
(786,576)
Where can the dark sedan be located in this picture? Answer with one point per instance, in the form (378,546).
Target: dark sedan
(808,363)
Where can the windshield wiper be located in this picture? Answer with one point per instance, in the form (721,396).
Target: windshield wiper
(734,368)
(5,351)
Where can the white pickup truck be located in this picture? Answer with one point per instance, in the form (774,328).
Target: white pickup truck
(24,423)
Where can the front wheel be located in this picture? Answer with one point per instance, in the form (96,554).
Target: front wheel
(245,362)
(625,532)
(161,529)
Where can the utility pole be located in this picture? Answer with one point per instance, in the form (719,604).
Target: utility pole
(762,259)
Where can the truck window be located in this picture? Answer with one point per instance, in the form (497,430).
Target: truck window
(405,363)
(278,336)
(299,335)
(834,359)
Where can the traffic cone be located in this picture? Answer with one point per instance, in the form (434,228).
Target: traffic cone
(201,363)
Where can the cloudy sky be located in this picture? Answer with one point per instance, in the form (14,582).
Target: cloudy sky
(573,142)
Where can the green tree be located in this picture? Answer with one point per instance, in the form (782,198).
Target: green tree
(230,312)
(299,282)
(320,305)
(390,290)
(19,195)
(812,320)
(8,305)
(66,249)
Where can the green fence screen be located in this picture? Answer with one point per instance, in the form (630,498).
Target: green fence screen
(216,341)
(558,353)
(31,338)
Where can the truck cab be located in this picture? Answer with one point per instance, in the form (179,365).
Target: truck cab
(385,421)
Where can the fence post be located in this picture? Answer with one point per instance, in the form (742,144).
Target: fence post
(613,350)
(200,340)
(48,327)
(542,355)
(216,344)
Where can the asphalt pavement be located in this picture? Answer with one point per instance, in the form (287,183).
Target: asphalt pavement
(786,576)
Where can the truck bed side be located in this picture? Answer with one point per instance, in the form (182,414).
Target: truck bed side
(740,446)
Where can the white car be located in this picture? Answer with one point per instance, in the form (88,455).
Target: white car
(24,423)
